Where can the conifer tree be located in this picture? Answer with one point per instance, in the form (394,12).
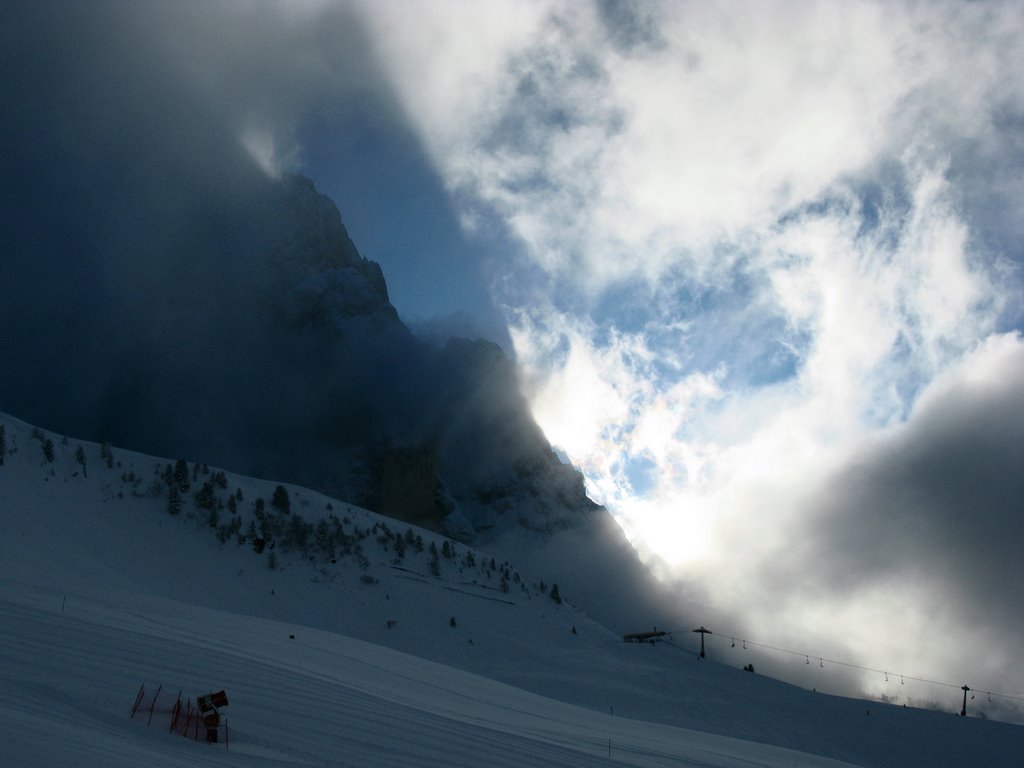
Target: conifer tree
(323,538)
(280,500)
(174,500)
(205,497)
(107,454)
(3,444)
(181,475)
(554,594)
(297,533)
(257,542)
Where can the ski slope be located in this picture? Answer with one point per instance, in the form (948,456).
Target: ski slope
(317,699)
(348,664)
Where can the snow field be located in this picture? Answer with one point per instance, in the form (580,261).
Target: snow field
(318,699)
(102,590)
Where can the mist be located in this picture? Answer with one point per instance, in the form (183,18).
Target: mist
(172,287)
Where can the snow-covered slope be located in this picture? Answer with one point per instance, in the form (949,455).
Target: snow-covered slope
(364,660)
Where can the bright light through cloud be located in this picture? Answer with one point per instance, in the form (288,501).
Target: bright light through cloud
(755,242)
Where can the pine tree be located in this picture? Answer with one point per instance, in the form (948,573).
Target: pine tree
(181,475)
(323,538)
(280,500)
(80,458)
(257,542)
(3,444)
(107,454)
(174,500)
(297,534)
(48,450)
(205,498)
(555,595)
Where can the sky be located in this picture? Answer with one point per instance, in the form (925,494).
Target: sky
(760,263)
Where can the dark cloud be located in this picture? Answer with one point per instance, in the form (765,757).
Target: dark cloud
(155,279)
(943,500)
(934,510)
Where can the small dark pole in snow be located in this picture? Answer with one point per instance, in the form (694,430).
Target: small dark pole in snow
(703,632)
(963,712)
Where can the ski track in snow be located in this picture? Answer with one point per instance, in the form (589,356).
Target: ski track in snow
(321,699)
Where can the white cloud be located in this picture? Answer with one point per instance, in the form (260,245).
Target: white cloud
(776,187)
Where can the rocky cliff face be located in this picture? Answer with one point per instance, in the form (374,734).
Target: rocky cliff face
(258,338)
(454,446)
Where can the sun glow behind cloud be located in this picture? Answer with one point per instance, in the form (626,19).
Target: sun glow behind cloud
(751,251)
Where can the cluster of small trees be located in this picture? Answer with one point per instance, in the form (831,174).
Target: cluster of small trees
(46,444)
(330,537)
